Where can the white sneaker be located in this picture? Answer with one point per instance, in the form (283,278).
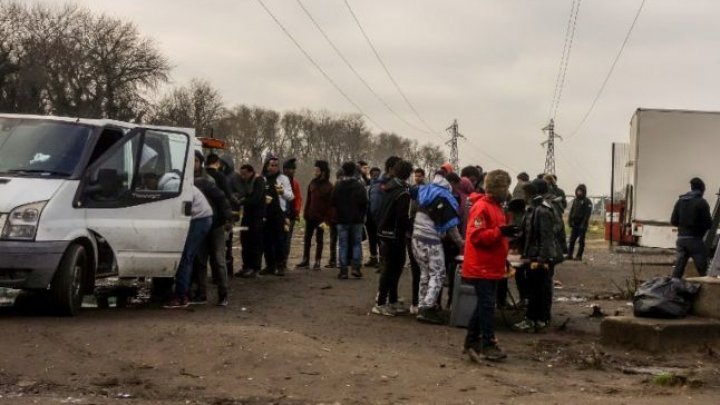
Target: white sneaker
(385,310)
(399,308)
(414,310)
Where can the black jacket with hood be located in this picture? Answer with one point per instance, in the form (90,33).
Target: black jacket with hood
(581,209)
(393,219)
(349,201)
(539,241)
(691,215)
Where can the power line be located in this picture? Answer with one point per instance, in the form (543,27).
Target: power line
(385,68)
(317,66)
(565,57)
(487,155)
(610,72)
(357,74)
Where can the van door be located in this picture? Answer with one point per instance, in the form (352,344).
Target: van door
(137,196)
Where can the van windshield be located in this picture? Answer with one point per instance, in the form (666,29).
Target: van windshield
(41,148)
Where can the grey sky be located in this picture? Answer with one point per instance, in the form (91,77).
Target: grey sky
(490,64)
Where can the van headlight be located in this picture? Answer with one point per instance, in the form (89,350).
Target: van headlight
(22,222)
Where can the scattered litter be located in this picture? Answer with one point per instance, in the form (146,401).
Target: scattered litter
(124,396)
(572,299)
(654,371)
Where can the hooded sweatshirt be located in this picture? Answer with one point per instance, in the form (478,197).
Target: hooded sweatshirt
(437,214)
(581,209)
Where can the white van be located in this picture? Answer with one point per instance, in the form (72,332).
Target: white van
(85,199)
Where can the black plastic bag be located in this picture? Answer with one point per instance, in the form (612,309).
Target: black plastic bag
(664,297)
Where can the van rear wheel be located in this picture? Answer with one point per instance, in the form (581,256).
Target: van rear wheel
(66,289)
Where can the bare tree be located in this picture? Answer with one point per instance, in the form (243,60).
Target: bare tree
(68,61)
(197,106)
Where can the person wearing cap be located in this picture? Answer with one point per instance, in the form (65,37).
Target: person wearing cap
(691,215)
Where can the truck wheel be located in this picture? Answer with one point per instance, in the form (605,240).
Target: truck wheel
(66,289)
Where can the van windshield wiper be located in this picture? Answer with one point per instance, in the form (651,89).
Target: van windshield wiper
(41,171)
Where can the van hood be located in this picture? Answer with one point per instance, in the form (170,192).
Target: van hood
(16,191)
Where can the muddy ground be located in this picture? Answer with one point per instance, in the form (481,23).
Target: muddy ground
(309,338)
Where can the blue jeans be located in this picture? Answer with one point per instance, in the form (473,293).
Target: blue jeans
(350,237)
(481,328)
(198,232)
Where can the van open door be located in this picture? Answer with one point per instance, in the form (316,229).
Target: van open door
(137,197)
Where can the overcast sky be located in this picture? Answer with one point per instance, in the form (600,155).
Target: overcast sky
(490,64)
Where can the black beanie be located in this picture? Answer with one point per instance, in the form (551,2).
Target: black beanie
(540,186)
(290,164)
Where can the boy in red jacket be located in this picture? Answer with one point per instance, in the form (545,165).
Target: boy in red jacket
(486,250)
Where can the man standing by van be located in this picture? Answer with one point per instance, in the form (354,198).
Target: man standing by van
(691,216)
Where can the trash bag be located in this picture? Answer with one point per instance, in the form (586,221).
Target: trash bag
(664,297)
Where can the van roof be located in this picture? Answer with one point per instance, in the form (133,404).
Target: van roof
(96,122)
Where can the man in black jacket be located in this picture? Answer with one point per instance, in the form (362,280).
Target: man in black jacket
(691,215)
(213,167)
(539,252)
(580,213)
(349,201)
(251,194)
(214,246)
(393,223)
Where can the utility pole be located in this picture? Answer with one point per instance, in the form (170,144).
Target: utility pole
(550,147)
(453,143)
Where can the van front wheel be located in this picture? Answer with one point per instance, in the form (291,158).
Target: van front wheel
(66,289)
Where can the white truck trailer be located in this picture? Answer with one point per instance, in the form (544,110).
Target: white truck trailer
(667,149)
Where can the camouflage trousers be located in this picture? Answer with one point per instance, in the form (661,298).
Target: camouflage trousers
(431,259)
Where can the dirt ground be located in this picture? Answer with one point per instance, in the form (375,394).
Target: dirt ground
(309,338)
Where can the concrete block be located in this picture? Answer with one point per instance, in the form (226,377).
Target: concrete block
(657,335)
(707,303)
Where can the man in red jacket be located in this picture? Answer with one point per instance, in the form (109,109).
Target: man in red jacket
(486,250)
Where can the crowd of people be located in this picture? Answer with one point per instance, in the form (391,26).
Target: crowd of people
(441,222)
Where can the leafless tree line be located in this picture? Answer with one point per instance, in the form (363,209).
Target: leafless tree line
(68,61)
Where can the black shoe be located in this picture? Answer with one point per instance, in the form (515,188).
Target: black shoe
(222,300)
(331,265)
(492,352)
(356,273)
(249,273)
(280,272)
(430,315)
(343,274)
(305,264)
(372,262)
(266,271)
(316,267)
